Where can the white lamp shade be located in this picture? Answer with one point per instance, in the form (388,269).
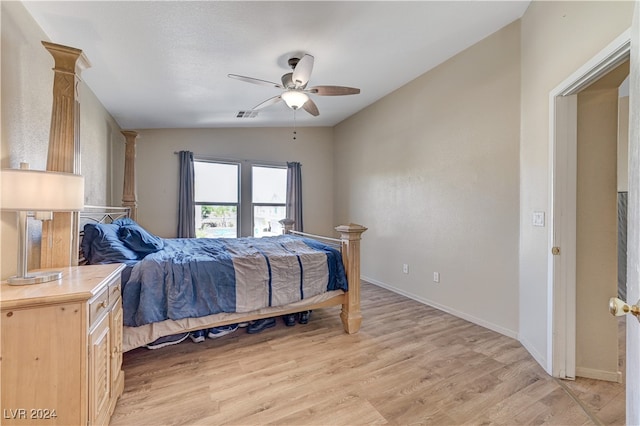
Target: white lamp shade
(37,190)
(294,98)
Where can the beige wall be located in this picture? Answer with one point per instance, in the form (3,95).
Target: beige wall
(27,84)
(597,233)
(157,168)
(557,38)
(432,170)
(102,145)
(27,87)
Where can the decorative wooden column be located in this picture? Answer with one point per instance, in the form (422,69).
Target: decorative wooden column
(351,315)
(129,185)
(59,245)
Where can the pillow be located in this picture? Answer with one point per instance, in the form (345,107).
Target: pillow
(101,244)
(137,238)
(125,221)
(90,234)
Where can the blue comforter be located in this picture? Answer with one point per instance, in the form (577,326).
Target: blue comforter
(191,278)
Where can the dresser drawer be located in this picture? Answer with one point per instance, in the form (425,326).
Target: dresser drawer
(98,305)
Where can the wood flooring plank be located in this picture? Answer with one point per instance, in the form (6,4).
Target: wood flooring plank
(613,413)
(345,409)
(556,408)
(410,364)
(506,409)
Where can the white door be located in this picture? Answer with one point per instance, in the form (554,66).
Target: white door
(633,230)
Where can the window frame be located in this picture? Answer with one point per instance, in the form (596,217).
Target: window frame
(253,204)
(238,204)
(245,222)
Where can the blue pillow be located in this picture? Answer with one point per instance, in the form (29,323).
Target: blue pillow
(125,221)
(101,244)
(137,238)
(90,234)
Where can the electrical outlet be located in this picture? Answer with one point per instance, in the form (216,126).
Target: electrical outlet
(405,268)
(436,277)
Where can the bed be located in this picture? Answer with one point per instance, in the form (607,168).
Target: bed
(178,285)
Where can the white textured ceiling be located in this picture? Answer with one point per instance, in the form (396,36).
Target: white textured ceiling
(164,64)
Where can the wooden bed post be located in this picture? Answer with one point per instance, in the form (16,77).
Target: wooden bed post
(350,236)
(129,185)
(287,225)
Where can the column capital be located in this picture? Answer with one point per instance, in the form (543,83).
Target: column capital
(130,135)
(67,59)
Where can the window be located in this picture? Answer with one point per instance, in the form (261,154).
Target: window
(222,188)
(269,195)
(216,199)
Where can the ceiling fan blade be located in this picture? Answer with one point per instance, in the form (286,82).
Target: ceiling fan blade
(255,81)
(333,90)
(311,108)
(268,102)
(302,71)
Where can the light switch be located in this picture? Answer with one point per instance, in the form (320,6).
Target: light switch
(538,218)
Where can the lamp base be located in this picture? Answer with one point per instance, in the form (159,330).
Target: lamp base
(35,278)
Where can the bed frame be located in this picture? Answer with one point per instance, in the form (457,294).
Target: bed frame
(350,314)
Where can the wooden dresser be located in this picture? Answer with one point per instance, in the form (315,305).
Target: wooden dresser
(61,348)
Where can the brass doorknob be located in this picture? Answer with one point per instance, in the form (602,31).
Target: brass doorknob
(619,307)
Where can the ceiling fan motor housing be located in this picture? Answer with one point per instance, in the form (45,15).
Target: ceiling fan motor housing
(293,62)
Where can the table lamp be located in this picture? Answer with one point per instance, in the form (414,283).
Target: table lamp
(31,191)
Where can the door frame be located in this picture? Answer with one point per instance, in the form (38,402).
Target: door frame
(561,272)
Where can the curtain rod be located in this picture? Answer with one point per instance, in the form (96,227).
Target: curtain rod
(235,160)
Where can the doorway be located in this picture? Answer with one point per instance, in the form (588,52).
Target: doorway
(583,265)
(597,239)
(601,191)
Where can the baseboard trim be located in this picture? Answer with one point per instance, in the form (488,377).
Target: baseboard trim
(591,373)
(535,354)
(459,314)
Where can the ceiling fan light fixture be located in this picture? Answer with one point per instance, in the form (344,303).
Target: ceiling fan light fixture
(294,98)
(294,90)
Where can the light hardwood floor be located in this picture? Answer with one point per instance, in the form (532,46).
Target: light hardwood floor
(409,364)
(605,401)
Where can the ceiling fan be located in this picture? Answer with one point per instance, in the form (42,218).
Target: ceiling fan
(294,85)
